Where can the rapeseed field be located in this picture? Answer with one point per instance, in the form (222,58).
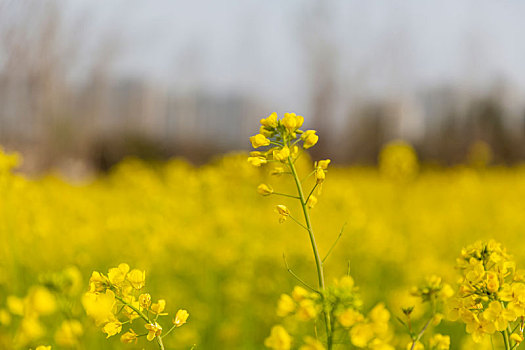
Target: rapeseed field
(177,256)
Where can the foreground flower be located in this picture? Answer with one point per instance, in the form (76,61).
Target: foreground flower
(279,339)
(180,318)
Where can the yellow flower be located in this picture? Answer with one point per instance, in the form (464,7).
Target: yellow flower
(312,201)
(158,307)
(145,300)
(417,346)
(440,342)
(259,140)
(41,301)
(306,310)
(323,164)
(180,318)
(285,305)
(478,327)
(379,313)
(154,330)
(257,161)
(5,317)
(43,347)
(137,278)
(361,334)
(319,175)
(128,311)
(299,293)
(517,337)
(311,343)
(492,281)
(498,315)
(309,138)
(117,275)
(349,317)
(99,306)
(279,339)
(264,131)
(129,337)
(270,121)
(283,212)
(264,190)
(292,122)
(68,333)
(277,171)
(112,328)
(281,154)
(15,305)
(98,283)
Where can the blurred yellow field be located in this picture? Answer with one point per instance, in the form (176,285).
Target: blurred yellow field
(211,245)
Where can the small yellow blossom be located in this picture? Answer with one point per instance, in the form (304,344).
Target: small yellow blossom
(349,317)
(180,318)
(112,328)
(99,306)
(498,315)
(281,154)
(292,122)
(312,201)
(68,333)
(158,307)
(517,337)
(270,121)
(154,330)
(323,164)
(15,305)
(117,275)
(145,300)
(137,278)
(129,337)
(5,317)
(417,346)
(279,339)
(259,140)
(43,347)
(319,175)
(361,334)
(283,212)
(310,138)
(310,343)
(299,293)
(440,342)
(306,310)
(98,283)
(264,190)
(257,161)
(279,170)
(285,305)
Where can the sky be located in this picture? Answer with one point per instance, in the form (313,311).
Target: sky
(267,48)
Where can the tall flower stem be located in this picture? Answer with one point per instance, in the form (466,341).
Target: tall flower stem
(317,257)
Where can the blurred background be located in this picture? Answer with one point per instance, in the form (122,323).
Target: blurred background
(85,83)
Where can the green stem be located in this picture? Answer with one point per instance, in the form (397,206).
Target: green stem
(144,317)
(506,339)
(159,341)
(317,258)
(318,262)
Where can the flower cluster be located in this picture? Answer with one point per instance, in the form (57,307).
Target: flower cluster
(283,138)
(491,296)
(342,302)
(117,298)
